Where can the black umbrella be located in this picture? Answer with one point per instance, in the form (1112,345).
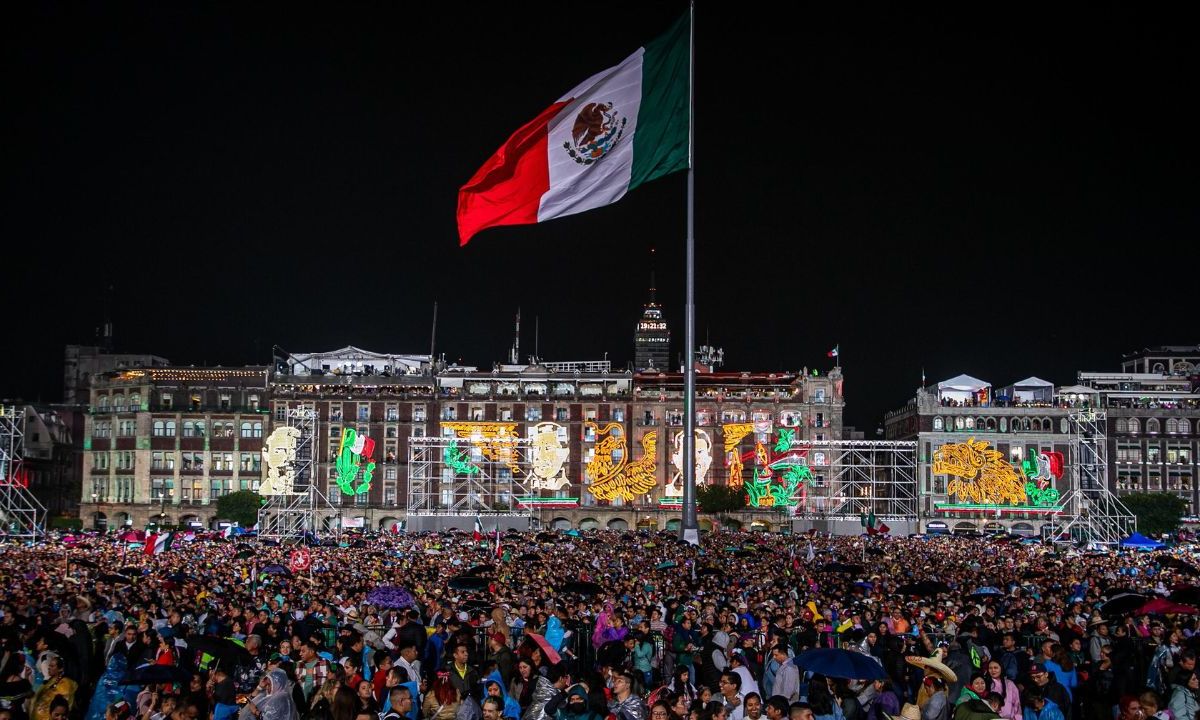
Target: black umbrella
(1187,595)
(709,570)
(1030,574)
(276,569)
(581,587)
(841,567)
(84,562)
(131,571)
(744,553)
(1184,567)
(547,537)
(467,582)
(592,540)
(924,588)
(529,557)
(358,544)
(1123,603)
(154,674)
(114,578)
(611,653)
(225,651)
(244,554)
(478,571)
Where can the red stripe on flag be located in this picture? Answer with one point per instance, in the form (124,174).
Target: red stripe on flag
(508,189)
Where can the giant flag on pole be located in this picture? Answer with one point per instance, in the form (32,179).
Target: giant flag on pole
(618,129)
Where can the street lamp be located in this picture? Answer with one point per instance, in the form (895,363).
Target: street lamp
(162,506)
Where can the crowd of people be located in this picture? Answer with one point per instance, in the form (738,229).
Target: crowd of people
(596,626)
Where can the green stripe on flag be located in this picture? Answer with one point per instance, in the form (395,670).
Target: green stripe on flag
(660,145)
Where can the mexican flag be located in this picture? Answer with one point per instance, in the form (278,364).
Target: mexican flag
(477,532)
(158,543)
(618,129)
(873,525)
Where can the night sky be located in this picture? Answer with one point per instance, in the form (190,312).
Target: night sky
(1004,194)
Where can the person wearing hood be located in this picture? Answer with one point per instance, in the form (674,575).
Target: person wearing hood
(276,703)
(576,706)
(970,704)
(547,689)
(493,686)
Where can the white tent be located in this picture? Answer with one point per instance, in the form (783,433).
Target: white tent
(1031,389)
(963,388)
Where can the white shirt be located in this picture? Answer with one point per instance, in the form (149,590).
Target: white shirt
(749,685)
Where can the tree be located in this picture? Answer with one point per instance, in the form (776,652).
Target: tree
(241,507)
(1156,512)
(720,498)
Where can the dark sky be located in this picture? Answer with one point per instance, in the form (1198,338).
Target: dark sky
(1003,194)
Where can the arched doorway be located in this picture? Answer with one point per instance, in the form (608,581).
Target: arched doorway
(1024,529)
(647,523)
(760,526)
(732,524)
(673,524)
(191,522)
(618,524)
(589,523)
(964,527)
(385,524)
(993,527)
(560,523)
(99,521)
(123,519)
(705,524)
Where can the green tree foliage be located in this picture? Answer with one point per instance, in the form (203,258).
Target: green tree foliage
(240,507)
(720,498)
(1156,512)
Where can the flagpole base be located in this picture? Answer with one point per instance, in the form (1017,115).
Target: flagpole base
(691,536)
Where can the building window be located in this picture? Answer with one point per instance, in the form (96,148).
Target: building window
(938,424)
(1152,426)
(194,401)
(533,413)
(189,428)
(160,428)
(449,412)
(119,403)
(1153,453)
(161,488)
(562,414)
(391,414)
(246,430)
(100,461)
(418,413)
(165,400)
(135,403)
(170,429)
(1134,426)
(335,412)
(281,412)
(364,412)
(506,414)
(618,414)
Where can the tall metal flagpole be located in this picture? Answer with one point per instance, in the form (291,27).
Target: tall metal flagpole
(689,530)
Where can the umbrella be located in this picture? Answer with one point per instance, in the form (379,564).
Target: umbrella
(876,551)
(466,582)
(227,652)
(547,537)
(244,554)
(709,570)
(551,654)
(666,565)
(985,591)
(529,557)
(838,663)
(581,587)
(1187,594)
(744,553)
(1123,603)
(1159,606)
(924,588)
(478,570)
(276,569)
(130,571)
(83,562)
(592,540)
(154,674)
(1030,574)
(1185,567)
(114,578)
(390,596)
(841,567)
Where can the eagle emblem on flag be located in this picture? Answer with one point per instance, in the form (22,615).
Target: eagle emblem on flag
(597,130)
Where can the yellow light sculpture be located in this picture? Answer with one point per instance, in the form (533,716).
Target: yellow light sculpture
(497,441)
(703,462)
(980,475)
(547,455)
(621,478)
(279,455)
(734,432)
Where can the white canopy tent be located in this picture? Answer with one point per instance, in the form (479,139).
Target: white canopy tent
(963,388)
(1029,390)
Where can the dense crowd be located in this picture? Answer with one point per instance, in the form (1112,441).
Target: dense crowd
(596,626)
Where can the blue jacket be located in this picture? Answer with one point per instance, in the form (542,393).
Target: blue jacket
(511,707)
(1049,711)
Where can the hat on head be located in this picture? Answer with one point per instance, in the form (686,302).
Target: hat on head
(933,666)
(1097,619)
(908,712)
(499,638)
(1035,668)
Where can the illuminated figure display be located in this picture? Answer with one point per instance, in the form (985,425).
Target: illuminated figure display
(456,459)
(547,455)
(703,462)
(734,432)
(279,455)
(979,474)
(496,440)
(353,451)
(612,474)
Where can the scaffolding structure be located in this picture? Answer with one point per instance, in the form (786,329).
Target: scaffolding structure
(1091,512)
(458,477)
(853,478)
(21,515)
(305,508)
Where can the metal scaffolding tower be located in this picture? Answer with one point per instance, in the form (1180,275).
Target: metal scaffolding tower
(465,477)
(305,508)
(1091,513)
(21,515)
(852,478)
